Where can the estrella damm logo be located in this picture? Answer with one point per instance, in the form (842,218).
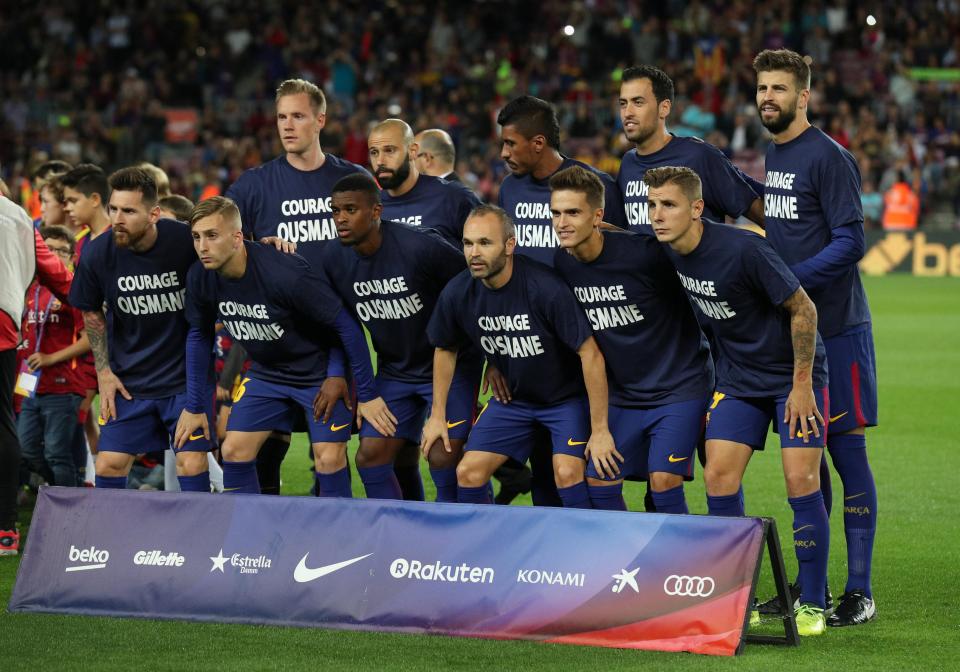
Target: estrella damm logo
(930,258)
(240,389)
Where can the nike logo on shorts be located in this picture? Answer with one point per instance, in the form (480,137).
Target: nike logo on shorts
(834,418)
(195,438)
(451,425)
(676,459)
(303,574)
(571,442)
(337,428)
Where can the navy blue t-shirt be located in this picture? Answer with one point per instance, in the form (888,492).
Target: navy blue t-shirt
(726,191)
(393,292)
(530,329)
(276,199)
(812,187)
(527,201)
(280,311)
(738,283)
(144,297)
(433,204)
(642,320)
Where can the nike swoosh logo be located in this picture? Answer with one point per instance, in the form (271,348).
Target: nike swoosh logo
(676,459)
(451,425)
(834,418)
(859,494)
(303,574)
(337,428)
(571,442)
(799,529)
(196,438)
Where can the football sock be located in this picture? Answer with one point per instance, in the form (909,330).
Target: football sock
(446,482)
(607,497)
(480,495)
(726,505)
(240,477)
(811,543)
(671,501)
(575,496)
(849,454)
(826,485)
(336,484)
(380,482)
(648,504)
(411,483)
(269,458)
(115,482)
(197,483)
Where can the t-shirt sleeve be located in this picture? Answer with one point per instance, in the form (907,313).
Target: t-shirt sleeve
(565,314)
(444,329)
(768,272)
(86,292)
(725,187)
(199,307)
(245,194)
(613,212)
(840,194)
(303,288)
(440,259)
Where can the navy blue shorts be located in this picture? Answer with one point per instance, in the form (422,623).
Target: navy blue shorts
(660,438)
(852,365)
(747,419)
(260,406)
(148,425)
(410,404)
(508,429)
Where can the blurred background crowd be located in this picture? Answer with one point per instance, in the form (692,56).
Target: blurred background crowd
(189,85)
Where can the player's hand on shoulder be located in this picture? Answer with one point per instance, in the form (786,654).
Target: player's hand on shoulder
(496,383)
(109,385)
(602,450)
(332,390)
(282,245)
(187,425)
(434,430)
(376,412)
(223,394)
(801,412)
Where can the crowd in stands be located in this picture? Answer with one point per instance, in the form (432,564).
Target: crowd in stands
(189,85)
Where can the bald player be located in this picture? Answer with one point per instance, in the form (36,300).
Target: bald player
(409,196)
(436,155)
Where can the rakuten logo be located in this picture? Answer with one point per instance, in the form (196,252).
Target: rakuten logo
(402,568)
(89,558)
(159,559)
(542,576)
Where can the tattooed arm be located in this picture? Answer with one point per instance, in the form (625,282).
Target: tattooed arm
(801,404)
(96,328)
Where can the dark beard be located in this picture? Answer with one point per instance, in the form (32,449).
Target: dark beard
(781,123)
(395,179)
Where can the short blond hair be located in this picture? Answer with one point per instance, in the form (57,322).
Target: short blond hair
(216,205)
(292,87)
(685,178)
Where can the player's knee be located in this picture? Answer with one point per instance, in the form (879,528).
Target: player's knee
(661,481)
(719,479)
(567,474)
(331,459)
(191,463)
(112,465)
(439,458)
(471,475)
(802,482)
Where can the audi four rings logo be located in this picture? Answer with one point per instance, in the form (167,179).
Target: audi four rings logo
(689,586)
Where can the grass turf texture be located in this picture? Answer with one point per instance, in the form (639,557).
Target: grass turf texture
(916,322)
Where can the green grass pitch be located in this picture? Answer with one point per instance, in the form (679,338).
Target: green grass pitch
(915,460)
